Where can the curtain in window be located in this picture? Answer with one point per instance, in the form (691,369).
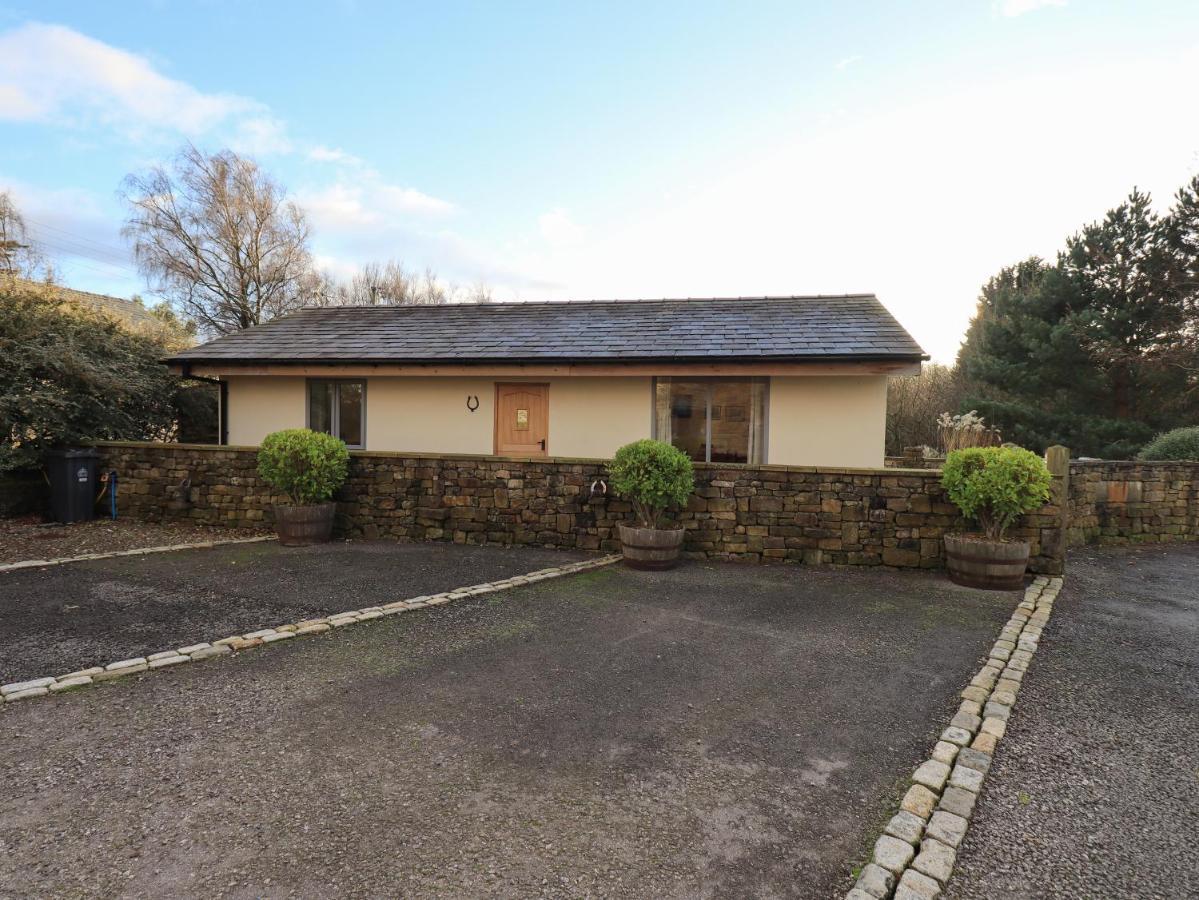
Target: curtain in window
(349,412)
(320,406)
(713,419)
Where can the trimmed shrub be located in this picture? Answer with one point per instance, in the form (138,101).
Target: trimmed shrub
(996,485)
(653,475)
(308,466)
(1181,443)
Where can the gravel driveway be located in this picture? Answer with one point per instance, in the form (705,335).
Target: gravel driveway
(1095,789)
(720,730)
(62,618)
(30,538)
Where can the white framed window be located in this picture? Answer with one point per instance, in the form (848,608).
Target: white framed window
(338,407)
(713,419)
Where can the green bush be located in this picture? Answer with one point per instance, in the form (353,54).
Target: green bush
(653,475)
(69,375)
(1181,443)
(306,465)
(996,485)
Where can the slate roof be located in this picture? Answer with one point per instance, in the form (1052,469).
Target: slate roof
(850,327)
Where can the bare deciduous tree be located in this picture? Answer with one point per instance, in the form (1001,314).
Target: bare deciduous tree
(391,284)
(479,292)
(218,237)
(915,401)
(19,254)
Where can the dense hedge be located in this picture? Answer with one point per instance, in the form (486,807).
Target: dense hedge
(70,375)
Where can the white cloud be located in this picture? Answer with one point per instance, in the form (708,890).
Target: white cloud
(392,197)
(846,62)
(558,229)
(15,103)
(261,136)
(323,154)
(1012,8)
(368,202)
(361,218)
(53,74)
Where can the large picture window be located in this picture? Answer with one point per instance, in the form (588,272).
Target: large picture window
(338,408)
(713,419)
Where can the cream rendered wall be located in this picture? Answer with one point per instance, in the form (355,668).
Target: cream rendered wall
(813,420)
(429,415)
(588,417)
(594,417)
(259,405)
(827,421)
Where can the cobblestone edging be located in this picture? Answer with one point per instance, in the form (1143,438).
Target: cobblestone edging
(41,687)
(914,857)
(200,545)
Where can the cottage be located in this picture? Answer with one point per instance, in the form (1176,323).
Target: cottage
(782,380)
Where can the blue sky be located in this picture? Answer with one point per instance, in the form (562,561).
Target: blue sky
(582,150)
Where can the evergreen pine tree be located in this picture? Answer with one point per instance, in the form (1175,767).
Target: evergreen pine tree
(1096,350)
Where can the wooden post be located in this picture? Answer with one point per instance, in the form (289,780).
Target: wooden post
(1057,460)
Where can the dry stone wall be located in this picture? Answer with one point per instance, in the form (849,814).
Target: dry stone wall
(1133,502)
(892,517)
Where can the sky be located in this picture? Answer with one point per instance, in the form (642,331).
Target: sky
(561,151)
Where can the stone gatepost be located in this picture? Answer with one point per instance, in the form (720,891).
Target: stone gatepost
(1053,542)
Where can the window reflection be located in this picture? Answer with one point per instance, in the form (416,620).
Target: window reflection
(338,407)
(713,420)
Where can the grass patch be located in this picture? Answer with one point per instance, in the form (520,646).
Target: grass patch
(887,808)
(588,577)
(591,589)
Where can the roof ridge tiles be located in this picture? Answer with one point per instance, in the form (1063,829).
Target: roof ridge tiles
(596,301)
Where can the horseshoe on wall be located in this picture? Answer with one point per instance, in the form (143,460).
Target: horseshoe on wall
(472,402)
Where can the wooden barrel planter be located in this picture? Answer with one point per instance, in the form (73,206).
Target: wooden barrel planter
(299,526)
(650,548)
(973,561)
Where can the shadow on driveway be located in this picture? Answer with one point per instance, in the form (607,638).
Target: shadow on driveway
(719,731)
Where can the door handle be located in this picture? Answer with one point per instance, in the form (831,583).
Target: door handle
(542,443)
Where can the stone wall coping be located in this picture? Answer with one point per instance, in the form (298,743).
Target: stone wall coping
(165,445)
(1134,463)
(568,460)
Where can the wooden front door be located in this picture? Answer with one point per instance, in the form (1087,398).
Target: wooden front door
(522,414)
